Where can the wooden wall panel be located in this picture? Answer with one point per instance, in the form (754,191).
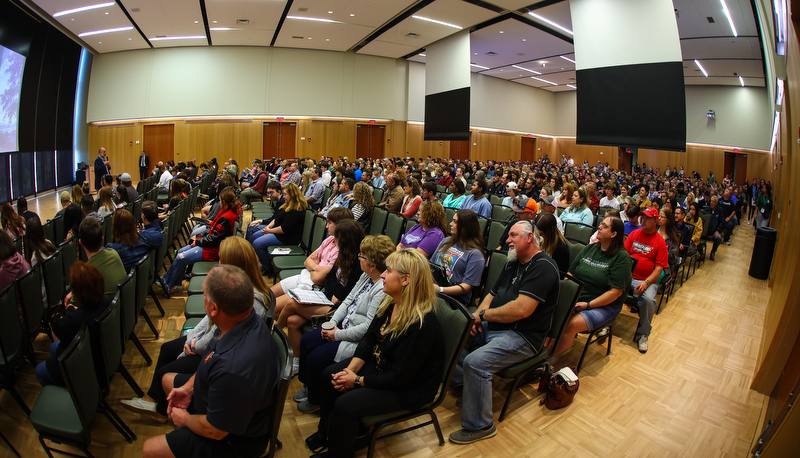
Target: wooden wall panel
(592,153)
(498,146)
(241,141)
(418,147)
(123,155)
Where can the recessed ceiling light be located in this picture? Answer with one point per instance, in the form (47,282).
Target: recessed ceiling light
(106,12)
(309,38)
(728,15)
(214,22)
(304,18)
(221,29)
(548,21)
(196,22)
(423,54)
(570,85)
(479,66)
(526,69)
(741,80)
(99,42)
(545,81)
(524,39)
(98,32)
(502,31)
(330,12)
(83,8)
(696,62)
(129,39)
(567,59)
(327,39)
(421,18)
(352,15)
(186,37)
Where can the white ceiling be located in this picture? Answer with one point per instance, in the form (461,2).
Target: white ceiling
(503,34)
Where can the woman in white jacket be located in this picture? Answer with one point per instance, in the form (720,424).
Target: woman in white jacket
(320,348)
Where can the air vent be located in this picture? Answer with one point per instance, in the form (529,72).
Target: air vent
(491,53)
(299,38)
(135,10)
(302,10)
(710,20)
(412,35)
(243,21)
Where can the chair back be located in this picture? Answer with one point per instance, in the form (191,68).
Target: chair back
(494,237)
(18,246)
(52,268)
(377,194)
(394,226)
(574,249)
(706,218)
(160,253)
(49,232)
(308,226)
(379,216)
(106,336)
(127,304)
(501,212)
(137,210)
(69,254)
(449,213)
(495,199)
(142,269)
(569,290)
(578,232)
(284,350)
(497,261)
(10,331)
(269,318)
(77,369)
(456,322)
(58,230)
(108,235)
(601,212)
(318,234)
(29,291)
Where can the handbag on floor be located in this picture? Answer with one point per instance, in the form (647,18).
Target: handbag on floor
(559,388)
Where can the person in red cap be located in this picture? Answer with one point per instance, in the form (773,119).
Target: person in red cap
(647,246)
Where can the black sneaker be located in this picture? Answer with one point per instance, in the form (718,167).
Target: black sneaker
(469,436)
(316,443)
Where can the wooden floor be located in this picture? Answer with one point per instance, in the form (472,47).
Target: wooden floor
(688,396)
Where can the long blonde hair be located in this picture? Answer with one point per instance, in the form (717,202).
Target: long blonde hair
(418,298)
(296,199)
(238,252)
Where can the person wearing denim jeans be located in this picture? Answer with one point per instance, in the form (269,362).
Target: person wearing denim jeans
(510,326)
(647,246)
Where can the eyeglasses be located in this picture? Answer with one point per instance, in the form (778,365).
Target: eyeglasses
(361,256)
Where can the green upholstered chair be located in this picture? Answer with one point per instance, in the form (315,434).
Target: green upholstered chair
(11,348)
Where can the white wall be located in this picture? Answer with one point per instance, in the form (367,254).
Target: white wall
(501,104)
(217,81)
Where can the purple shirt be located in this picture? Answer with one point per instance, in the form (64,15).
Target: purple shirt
(426,241)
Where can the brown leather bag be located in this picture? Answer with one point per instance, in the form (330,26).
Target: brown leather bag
(557,392)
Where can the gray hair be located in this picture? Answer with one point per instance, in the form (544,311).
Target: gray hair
(527,227)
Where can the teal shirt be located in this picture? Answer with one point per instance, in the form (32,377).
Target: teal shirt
(450,202)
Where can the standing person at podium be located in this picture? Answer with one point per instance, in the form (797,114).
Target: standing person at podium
(101,168)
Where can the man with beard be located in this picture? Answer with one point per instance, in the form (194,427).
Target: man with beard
(510,326)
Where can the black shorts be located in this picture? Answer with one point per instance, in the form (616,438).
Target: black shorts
(184,443)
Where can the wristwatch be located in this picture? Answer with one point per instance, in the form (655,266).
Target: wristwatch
(589,305)
(480,314)
(357,382)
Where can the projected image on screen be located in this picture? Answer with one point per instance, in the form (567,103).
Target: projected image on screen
(11,67)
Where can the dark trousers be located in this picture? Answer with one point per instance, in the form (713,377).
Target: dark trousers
(142,173)
(729,226)
(168,361)
(316,354)
(340,412)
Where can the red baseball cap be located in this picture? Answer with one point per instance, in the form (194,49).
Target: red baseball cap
(649,212)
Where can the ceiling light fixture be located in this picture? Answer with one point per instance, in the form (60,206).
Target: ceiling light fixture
(352,14)
(422,54)
(567,59)
(421,18)
(83,8)
(543,19)
(741,80)
(479,66)
(696,62)
(330,12)
(728,15)
(316,19)
(196,22)
(573,87)
(98,32)
(221,29)
(544,81)
(185,37)
(526,69)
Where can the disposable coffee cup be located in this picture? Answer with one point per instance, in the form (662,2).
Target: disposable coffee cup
(328,325)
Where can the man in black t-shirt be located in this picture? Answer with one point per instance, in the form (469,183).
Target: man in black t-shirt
(510,326)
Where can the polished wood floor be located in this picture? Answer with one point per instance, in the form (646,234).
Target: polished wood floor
(688,396)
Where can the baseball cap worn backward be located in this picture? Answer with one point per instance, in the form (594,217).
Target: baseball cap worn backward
(526,205)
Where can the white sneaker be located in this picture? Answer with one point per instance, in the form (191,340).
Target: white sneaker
(295,366)
(643,346)
(603,332)
(139,405)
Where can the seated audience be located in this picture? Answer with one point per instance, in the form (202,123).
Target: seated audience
(553,242)
(605,270)
(286,227)
(107,261)
(396,366)
(430,231)
(362,204)
(462,256)
(127,243)
(456,196)
(578,212)
(12,223)
(321,348)
(477,201)
(82,305)
(412,199)
(37,248)
(151,231)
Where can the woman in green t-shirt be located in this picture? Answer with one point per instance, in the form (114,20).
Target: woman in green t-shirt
(605,270)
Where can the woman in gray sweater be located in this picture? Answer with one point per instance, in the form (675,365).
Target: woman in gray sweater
(320,348)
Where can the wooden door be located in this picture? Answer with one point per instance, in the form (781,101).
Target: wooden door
(730,166)
(624,159)
(528,153)
(280,139)
(740,169)
(159,142)
(459,150)
(369,141)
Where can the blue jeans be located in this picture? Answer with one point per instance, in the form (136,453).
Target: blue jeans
(729,225)
(186,256)
(254,232)
(647,307)
(42,374)
(262,244)
(498,350)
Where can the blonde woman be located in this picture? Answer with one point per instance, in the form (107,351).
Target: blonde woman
(398,364)
(107,207)
(362,205)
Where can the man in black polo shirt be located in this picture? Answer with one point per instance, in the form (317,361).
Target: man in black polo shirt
(223,409)
(510,326)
